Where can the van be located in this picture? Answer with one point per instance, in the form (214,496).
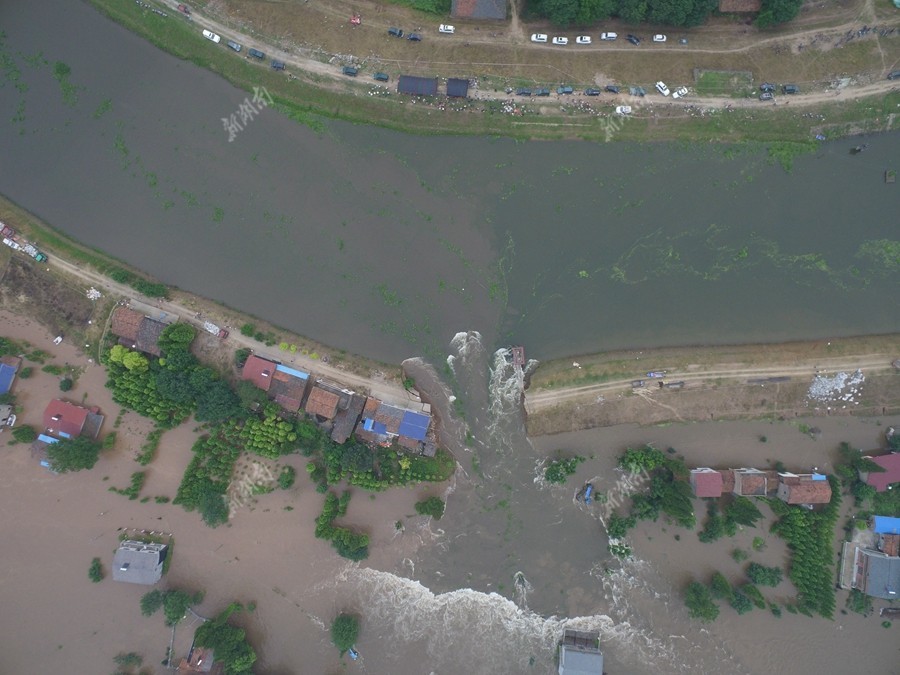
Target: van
(446,28)
(256,53)
(278,65)
(209,35)
(790,89)
(234,45)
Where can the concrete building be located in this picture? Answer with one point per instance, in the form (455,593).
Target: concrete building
(137,562)
(579,653)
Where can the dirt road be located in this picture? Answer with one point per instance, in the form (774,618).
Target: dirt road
(376,384)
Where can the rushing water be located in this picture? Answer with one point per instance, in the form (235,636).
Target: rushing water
(385,244)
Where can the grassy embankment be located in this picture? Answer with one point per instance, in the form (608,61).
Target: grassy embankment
(309,96)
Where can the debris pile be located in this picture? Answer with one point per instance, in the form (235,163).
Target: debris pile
(840,389)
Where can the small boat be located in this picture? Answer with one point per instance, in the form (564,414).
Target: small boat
(353,653)
(584,494)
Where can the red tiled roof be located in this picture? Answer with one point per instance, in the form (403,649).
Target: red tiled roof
(126,323)
(64,417)
(259,371)
(706,483)
(750,484)
(287,390)
(322,403)
(805,492)
(727,480)
(891,474)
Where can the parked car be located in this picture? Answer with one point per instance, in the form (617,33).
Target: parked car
(538,37)
(523,91)
(256,53)
(592,92)
(767,87)
(560,40)
(662,88)
(234,45)
(681,92)
(415,37)
(209,35)
(184,9)
(633,39)
(790,89)
(767,96)
(659,38)
(611,88)
(637,91)
(396,32)
(583,40)
(894,75)
(564,90)
(278,65)
(541,92)
(446,28)
(381,77)
(608,36)
(350,70)
(623,110)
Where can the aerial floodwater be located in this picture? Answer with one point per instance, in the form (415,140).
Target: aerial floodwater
(386,244)
(389,245)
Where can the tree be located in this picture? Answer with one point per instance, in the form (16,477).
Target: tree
(743,512)
(24,434)
(95,572)
(176,337)
(151,602)
(228,642)
(217,403)
(558,470)
(248,394)
(631,11)
(287,477)
(73,454)
(344,631)
(248,329)
(700,604)
(66,384)
(241,356)
(741,603)
(433,506)
(135,362)
(618,526)
(764,576)
(720,587)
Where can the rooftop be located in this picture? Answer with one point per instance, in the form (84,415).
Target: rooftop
(750,482)
(64,418)
(259,371)
(579,653)
(805,492)
(891,474)
(137,562)
(345,420)
(125,323)
(885,525)
(706,482)
(322,403)
(148,336)
(881,575)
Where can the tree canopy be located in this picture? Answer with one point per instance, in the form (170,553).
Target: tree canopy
(228,642)
(344,631)
(73,454)
(700,603)
(433,506)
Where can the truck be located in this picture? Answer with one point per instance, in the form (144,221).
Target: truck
(213,329)
(13,245)
(34,253)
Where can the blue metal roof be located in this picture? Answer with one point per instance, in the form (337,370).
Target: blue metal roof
(7,375)
(380,428)
(818,476)
(47,439)
(414,425)
(290,371)
(886,525)
(367,424)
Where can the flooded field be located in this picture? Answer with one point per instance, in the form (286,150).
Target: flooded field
(386,244)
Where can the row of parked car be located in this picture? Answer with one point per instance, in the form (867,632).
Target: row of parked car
(767,90)
(586,39)
(255,53)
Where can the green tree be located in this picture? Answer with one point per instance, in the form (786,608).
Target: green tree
(764,576)
(248,329)
(741,603)
(24,434)
(217,403)
(743,512)
(618,526)
(287,477)
(720,587)
(433,506)
(241,356)
(631,11)
(176,337)
(228,642)
(344,631)
(249,394)
(135,362)
(700,603)
(95,572)
(774,12)
(73,454)
(66,384)
(558,470)
(151,602)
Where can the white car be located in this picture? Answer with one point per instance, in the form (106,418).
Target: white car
(659,38)
(608,36)
(681,92)
(560,41)
(623,110)
(538,37)
(662,88)
(209,35)
(445,28)
(583,39)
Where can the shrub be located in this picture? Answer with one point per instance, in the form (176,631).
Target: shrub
(739,555)
(248,329)
(433,506)
(24,434)
(53,369)
(720,587)
(558,470)
(618,526)
(764,576)
(26,372)
(95,572)
(741,603)
(287,477)
(700,603)
(755,596)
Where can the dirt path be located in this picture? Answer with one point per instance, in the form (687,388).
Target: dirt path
(376,384)
(548,398)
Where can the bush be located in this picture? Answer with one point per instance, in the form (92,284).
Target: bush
(433,506)
(764,576)
(24,434)
(240,358)
(741,603)
(700,603)
(344,631)
(66,384)
(720,587)
(26,372)
(95,572)
(739,555)
(618,526)
(53,369)
(287,477)
(752,592)
(558,470)
(248,329)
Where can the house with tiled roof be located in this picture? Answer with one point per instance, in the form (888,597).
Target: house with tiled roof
(201,660)
(322,403)
(288,387)
(381,423)
(881,480)
(479,9)
(876,574)
(803,489)
(137,331)
(259,371)
(706,482)
(750,483)
(68,420)
(345,419)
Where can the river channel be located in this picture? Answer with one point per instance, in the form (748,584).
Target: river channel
(387,244)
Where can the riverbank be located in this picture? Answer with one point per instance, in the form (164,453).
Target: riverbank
(312,87)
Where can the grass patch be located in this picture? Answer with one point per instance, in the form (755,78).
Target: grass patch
(736,84)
